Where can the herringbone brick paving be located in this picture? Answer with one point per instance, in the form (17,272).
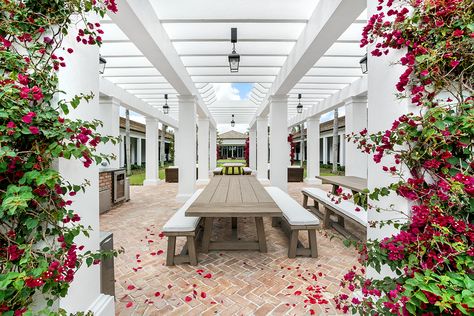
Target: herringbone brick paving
(224,283)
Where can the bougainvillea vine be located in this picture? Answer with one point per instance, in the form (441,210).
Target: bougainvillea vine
(38,228)
(431,256)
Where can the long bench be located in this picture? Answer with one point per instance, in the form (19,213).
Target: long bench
(247,171)
(296,219)
(181,226)
(218,171)
(332,206)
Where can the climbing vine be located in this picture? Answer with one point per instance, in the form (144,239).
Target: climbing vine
(431,150)
(38,228)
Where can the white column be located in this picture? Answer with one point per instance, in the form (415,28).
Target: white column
(109,114)
(342,145)
(186,147)
(262,149)
(356,121)
(383,109)
(313,154)
(203,151)
(325,150)
(176,141)
(151,154)
(139,151)
(122,151)
(302,144)
(162,145)
(212,147)
(279,154)
(82,76)
(253,148)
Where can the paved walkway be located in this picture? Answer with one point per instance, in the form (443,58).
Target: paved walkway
(224,283)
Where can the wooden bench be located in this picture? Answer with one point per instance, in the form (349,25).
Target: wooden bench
(296,219)
(181,226)
(247,171)
(345,209)
(217,171)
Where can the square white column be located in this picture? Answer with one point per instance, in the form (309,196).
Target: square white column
(203,151)
(342,145)
(262,149)
(302,144)
(186,147)
(162,145)
(313,154)
(176,147)
(121,145)
(109,114)
(279,153)
(212,147)
(139,151)
(325,150)
(82,76)
(383,109)
(253,148)
(356,121)
(151,148)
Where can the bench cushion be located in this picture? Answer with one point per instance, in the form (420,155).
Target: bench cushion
(294,213)
(346,208)
(247,169)
(180,223)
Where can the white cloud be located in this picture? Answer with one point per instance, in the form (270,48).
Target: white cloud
(225,91)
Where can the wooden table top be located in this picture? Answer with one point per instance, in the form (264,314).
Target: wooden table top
(233,164)
(350,182)
(236,196)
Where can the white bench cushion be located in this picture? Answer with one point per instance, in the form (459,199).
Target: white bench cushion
(218,169)
(347,208)
(180,223)
(293,212)
(247,169)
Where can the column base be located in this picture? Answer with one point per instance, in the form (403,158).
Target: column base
(104,305)
(181,198)
(313,181)
(264,181)
(151,182)
(202,181)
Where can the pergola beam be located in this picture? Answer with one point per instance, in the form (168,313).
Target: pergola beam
(357,88)
(328,22)
(135,104)
(140,23)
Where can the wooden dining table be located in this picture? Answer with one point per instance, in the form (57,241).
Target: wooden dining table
(234,197)
(355,184)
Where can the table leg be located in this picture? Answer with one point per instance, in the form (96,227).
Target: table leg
(234,222)
(261,234)
(206,238)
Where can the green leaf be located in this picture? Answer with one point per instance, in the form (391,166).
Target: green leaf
(31,223)
(421,296)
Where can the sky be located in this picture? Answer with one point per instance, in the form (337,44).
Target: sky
(232,91)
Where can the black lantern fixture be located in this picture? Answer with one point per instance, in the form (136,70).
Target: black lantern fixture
(363,64)
(234,58)
(166,107)
(102,63)
(299,107)
(232,123)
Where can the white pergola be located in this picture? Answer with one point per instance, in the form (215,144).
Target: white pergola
(180,48)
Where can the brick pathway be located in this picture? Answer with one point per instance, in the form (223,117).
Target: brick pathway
(224,283)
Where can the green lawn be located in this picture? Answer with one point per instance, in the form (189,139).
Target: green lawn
(138,175)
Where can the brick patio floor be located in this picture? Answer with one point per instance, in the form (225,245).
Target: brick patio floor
(224,283)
